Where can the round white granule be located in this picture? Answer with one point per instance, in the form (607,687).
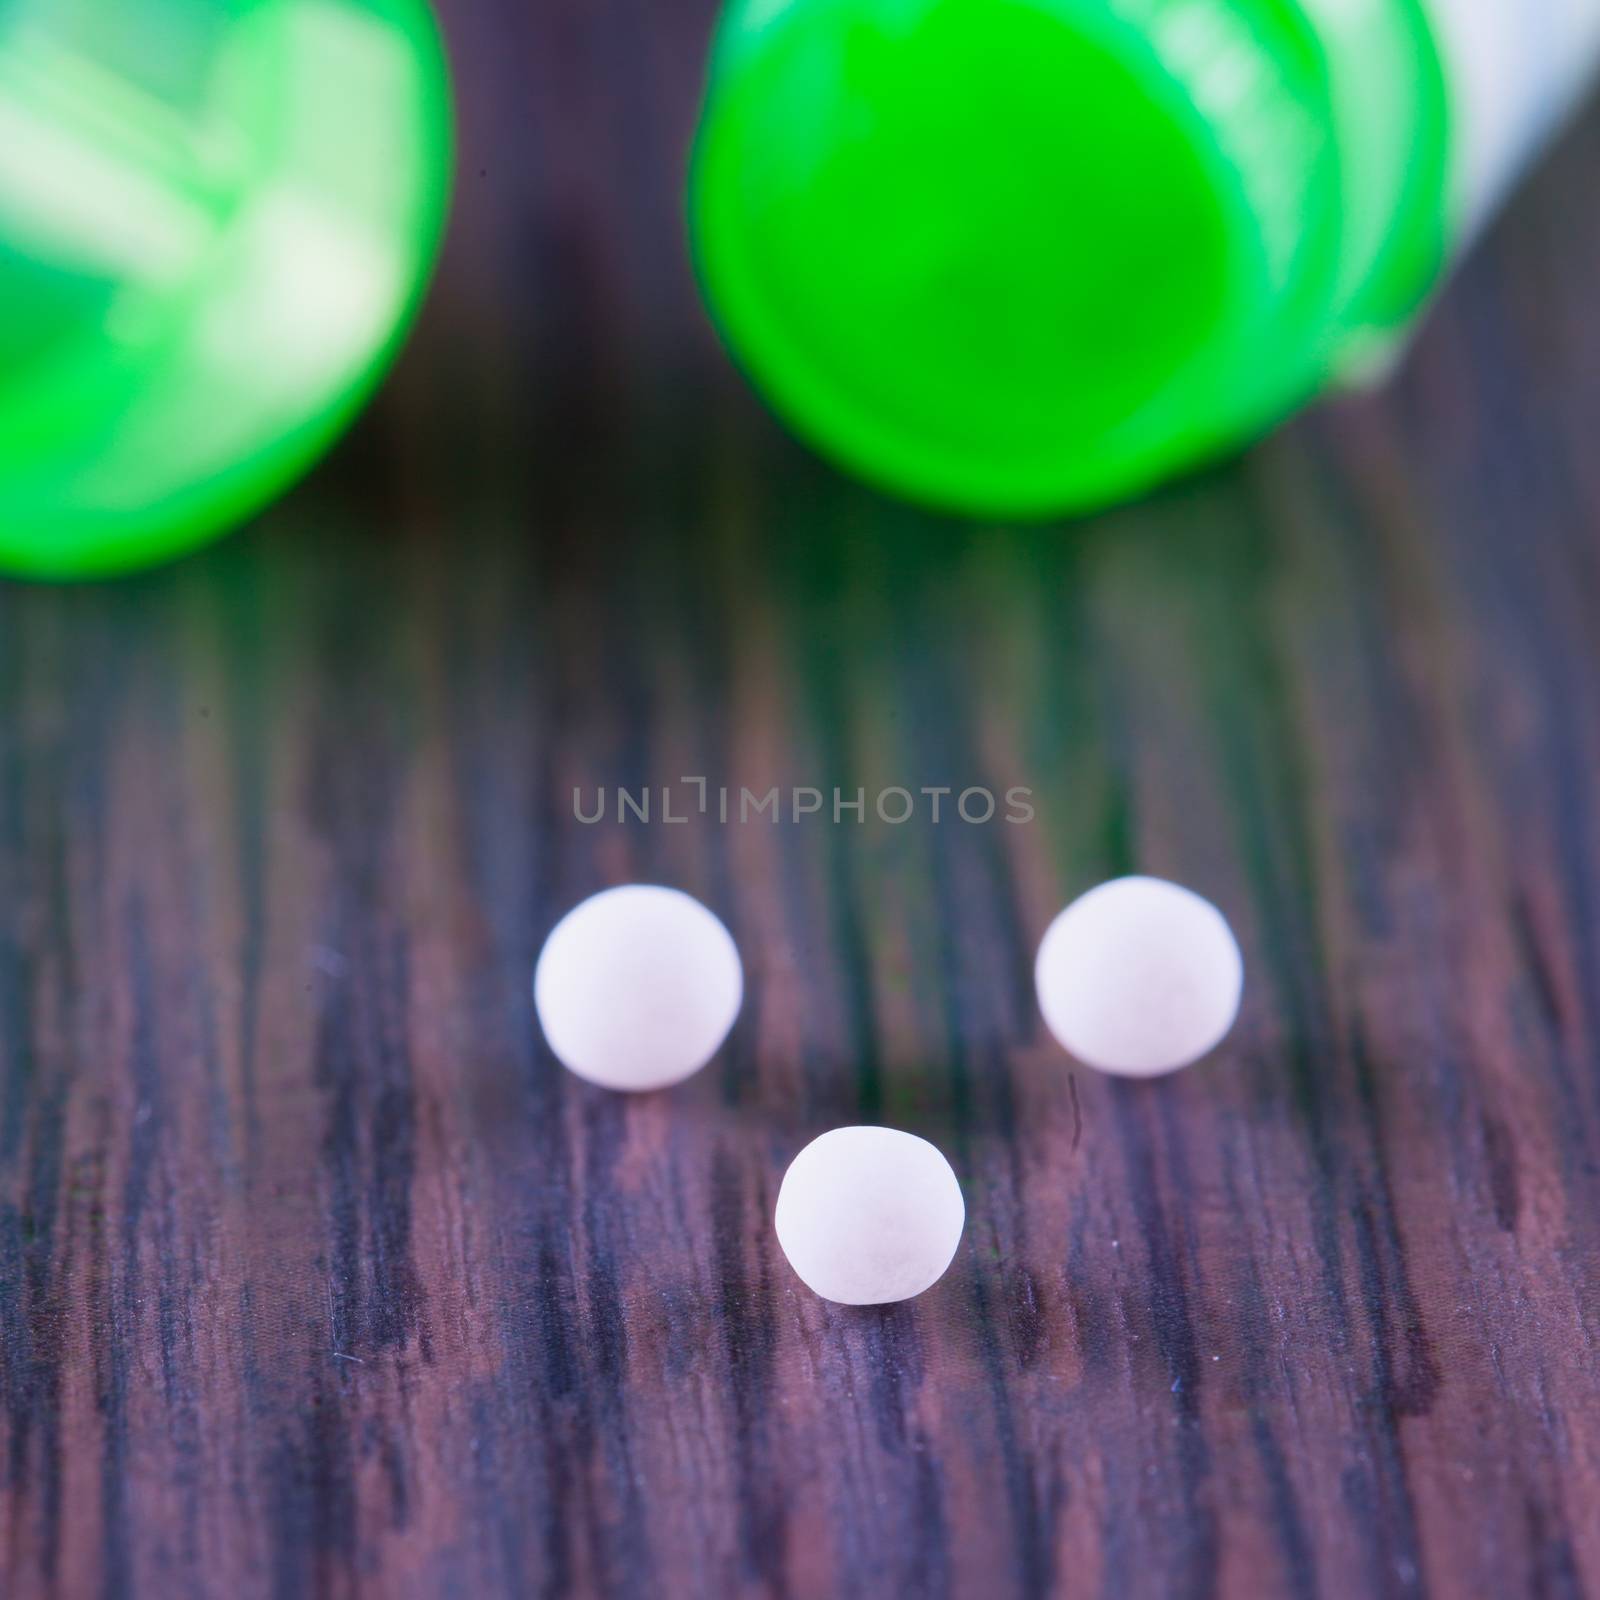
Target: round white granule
(1139,977)
(869,1215)
(637,987)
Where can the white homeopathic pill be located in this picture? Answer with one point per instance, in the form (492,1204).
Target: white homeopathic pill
(1139,977)
(637,987)
(869,1215)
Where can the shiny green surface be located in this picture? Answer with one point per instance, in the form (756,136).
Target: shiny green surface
(216,218)
(1022,256)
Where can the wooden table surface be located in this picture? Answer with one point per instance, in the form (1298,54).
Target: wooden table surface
(319,1277)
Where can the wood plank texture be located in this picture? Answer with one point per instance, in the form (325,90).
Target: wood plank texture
(319,1278)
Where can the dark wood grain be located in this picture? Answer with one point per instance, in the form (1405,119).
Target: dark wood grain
(318,1277)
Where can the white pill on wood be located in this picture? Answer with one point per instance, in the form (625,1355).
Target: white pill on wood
(637,987)
(1139,977)
(869,1215)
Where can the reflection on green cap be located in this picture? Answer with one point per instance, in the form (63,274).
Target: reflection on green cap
(216,217)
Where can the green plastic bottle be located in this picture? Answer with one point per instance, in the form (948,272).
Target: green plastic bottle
(1016,257)
(216,217)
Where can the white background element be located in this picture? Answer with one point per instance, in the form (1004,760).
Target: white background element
(1514,70)
(1139,977)
(637,987)
(869,1215)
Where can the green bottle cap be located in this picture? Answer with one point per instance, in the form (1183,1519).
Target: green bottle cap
(216,217)
(1022,256)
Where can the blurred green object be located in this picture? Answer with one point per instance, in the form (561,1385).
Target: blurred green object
(1021,256)
(216,219)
